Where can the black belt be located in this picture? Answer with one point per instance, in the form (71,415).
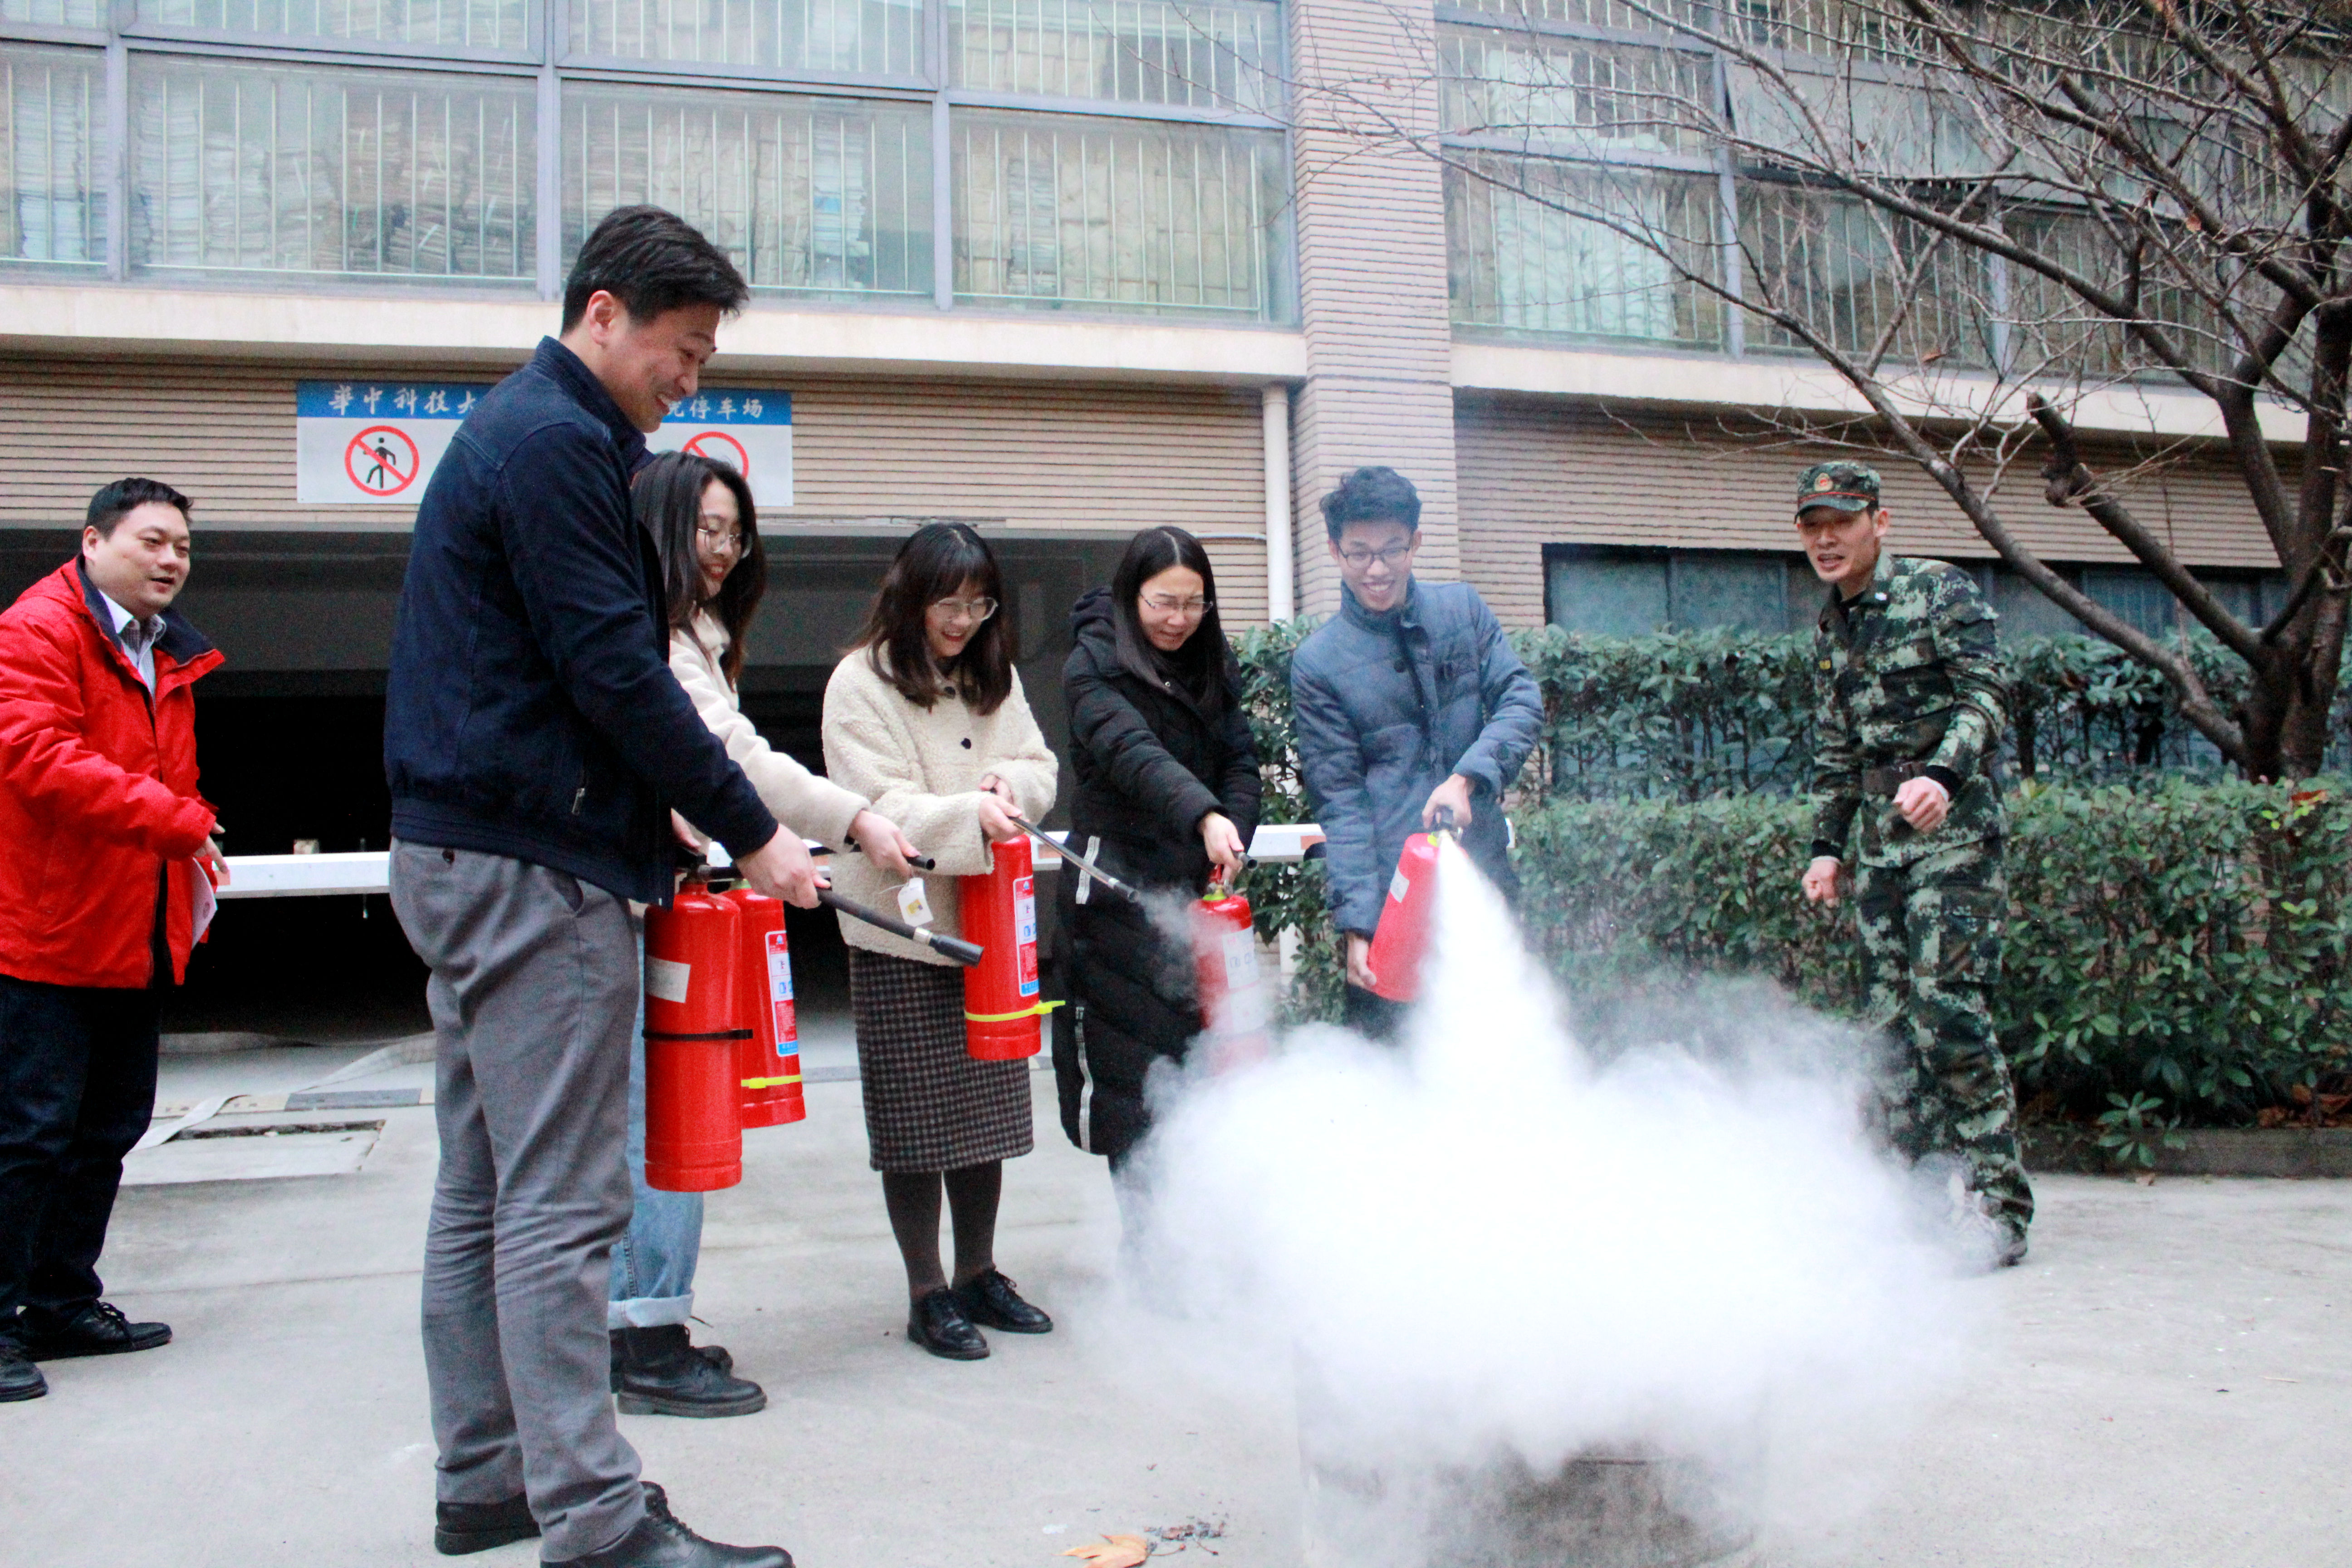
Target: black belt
(1886,780)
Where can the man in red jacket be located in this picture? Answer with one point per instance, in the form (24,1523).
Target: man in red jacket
(103,840)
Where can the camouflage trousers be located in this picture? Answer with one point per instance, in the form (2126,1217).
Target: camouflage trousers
(1931,936)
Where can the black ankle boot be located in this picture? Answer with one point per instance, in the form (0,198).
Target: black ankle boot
(664,1375)
(659,1541)
(715,1354)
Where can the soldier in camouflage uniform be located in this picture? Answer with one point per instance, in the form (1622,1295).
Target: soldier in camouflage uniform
(1910,708)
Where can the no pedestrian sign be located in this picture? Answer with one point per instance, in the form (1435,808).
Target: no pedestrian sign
(375,443)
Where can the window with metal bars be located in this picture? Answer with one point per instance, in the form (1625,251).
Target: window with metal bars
(1580,96)
(1062,211)
(484,24)
(1854,272)
(846,38)
(282,169)
(828,196)
(1524,257)
(1199,54)
(54,100)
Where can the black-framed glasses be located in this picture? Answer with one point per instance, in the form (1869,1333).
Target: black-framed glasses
(1358,559)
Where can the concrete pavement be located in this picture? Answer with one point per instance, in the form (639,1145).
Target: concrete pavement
(286,1424)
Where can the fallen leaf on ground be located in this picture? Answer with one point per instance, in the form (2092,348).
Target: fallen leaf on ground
(1113,1551)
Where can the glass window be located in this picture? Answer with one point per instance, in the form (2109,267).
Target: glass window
(1731,589)
(1520,262)
(307,170)
(503,25)
(822,194)
(855,37)
(1605,592)
(53,13)
(1852,271)
(2133,594)
(55,100)
(1213,54)
(1572,95)
(2053,327)
(1065,211)
(1597,13)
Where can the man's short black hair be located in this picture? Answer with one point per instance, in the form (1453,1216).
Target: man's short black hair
(118,501)
(652,260)
(1371,495)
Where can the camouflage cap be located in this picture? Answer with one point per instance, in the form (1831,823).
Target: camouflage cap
(1847,487)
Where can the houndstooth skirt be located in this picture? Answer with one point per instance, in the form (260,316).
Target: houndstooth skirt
(928,1105)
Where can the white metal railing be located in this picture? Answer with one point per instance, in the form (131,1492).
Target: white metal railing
(368,870)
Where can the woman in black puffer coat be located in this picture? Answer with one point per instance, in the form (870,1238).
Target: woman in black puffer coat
(1168,791)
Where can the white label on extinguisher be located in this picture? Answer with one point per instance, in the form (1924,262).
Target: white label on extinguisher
(1025,930)
(1399,887)
(1241,960)
(665,979)
(913,907)
(779,993)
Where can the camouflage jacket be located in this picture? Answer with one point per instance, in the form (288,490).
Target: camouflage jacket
(1908,674)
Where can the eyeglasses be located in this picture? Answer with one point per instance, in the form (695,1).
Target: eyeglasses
(965,609)
(717,533)
(1358,559)
(1166,605)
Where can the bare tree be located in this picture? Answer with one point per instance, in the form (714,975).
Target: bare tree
(1988,219)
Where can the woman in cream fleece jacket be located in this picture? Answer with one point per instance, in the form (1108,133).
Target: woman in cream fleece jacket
(701,519)
(926,717)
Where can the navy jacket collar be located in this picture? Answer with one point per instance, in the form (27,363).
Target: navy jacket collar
(180,639)
(1407,614)
(566,369)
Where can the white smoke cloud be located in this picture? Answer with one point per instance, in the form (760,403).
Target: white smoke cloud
(1485,1243)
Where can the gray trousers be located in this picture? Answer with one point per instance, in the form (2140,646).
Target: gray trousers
(533,994)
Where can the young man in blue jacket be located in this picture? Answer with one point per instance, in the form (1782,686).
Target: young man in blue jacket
(1410,699)
(535,742)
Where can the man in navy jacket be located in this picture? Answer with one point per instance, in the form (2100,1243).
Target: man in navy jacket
(1410,699)
(535,742)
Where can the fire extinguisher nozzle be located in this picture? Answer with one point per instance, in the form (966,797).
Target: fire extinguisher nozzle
(956,949)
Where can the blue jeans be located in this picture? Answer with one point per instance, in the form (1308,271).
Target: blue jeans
(653,1265)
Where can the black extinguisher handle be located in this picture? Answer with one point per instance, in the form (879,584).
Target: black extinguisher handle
(953,949)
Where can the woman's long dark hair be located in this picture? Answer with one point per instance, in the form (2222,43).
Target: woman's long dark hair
(668,496)
(935,563)
(1205,662)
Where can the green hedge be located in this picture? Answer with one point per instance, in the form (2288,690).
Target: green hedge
(1691,714)
(2177,949)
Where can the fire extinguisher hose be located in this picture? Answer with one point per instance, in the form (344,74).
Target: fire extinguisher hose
(955,950)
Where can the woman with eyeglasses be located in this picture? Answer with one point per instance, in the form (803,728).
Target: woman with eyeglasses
(926,717)
(1167,795)
(705,530)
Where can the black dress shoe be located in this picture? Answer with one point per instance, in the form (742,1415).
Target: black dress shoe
(99,1328)
(938,1324)
(715,1354)
(660,1541)
(991,1301)
(19,1378)
(460,1528)
(664,1375)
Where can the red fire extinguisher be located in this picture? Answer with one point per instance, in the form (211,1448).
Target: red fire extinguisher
(694,1129)
(1234,995)
(769,1061)
(1401,942)
(1002,1002)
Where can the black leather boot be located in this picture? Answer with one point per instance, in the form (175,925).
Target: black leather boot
(715,1354)
(460,1528)
(938,1324)
(19,1378)
(664,1375)
(659,1541)
(992,1302)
